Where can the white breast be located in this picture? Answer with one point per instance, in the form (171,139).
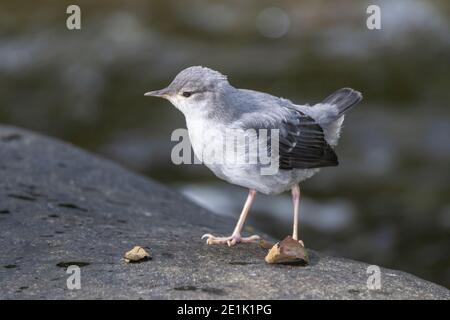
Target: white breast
(203,134)
(204,137)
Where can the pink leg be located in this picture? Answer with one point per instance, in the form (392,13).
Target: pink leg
(296,203)
(236,236)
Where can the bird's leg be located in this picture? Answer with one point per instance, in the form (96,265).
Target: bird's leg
(296,203)
(236,236)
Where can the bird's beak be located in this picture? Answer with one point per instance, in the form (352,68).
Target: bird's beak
(163,93)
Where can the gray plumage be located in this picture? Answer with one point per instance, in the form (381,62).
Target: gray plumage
(308,134)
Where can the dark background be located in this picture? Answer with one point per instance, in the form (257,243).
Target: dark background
(388,203)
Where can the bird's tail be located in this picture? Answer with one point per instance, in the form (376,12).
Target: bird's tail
(343,99)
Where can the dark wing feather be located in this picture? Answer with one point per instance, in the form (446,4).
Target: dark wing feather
(302,144)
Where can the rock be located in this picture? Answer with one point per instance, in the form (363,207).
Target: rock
(137,254)
(288,251)
(62,207)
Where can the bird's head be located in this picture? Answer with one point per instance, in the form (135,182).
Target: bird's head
(194,90)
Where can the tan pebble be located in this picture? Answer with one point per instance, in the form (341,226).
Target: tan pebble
(136,254)
(288,251)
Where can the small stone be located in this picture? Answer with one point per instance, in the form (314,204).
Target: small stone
(288,251)
(137,254)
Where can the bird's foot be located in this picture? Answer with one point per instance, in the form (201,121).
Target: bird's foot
(231,240)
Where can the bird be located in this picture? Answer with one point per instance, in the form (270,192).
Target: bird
(306,135)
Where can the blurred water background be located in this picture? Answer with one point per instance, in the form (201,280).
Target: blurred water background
(388,202)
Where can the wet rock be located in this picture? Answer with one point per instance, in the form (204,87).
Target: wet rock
(82,201)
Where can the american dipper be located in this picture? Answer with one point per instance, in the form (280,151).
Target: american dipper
(303,141)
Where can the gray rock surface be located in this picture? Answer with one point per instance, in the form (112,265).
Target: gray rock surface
(60,206)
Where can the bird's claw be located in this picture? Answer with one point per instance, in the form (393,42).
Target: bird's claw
(231,240)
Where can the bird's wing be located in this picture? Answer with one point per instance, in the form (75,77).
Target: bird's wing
(302,144)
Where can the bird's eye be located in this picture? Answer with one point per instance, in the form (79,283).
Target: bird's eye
(186,94)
